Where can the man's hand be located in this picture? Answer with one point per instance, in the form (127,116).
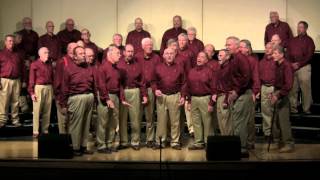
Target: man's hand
(64,111)
(110,104)
(274,99)
(34,98)
(158,93)
(214,98)
(181,101)
(188,106)
(232,97)
(24,85)
(144,100)
(125,103)
(210,108)
(295,66)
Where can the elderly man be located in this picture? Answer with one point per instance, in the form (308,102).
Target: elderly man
(68,35)
(52,42)
(134,89)
(11,76)
(148,60)
(116,41)
(41,91)
(168,88)
(135,37)
(172,33)
(110,89)
(57,85)
(246,49)
(277,27)
(300,51)
(279,98)
(85,37)
(200,86)
(267,75)
(185,58)
(78,89)
(223,87)
(29,38)
(194,44)
(209,49)
(240,97)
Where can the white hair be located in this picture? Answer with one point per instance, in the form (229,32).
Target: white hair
(192,29)
(145,40)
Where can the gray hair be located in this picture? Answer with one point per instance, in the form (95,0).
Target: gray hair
(111,48)
(183,35)
(278,48)
(170,41)
(145,40)
(193,29)
(248,45)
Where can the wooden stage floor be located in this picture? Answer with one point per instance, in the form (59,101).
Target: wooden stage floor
(27,148)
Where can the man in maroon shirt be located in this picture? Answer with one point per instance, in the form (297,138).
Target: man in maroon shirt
(279,98)
(200,87)
(267,72)
(194,44)
(246,49)
(135,37)
(41,91)
(11,76)
(172,33)
(240,97)
(116,41)
(85,37)
(110,88)
(168,88)
(300,51)
(68,35)
(134,93)
(29,38)
(277,27)
(66,60)
(78,89)
(51,41)
(148,60)
(223,87)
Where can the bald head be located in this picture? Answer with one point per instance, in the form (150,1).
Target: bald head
(43,54)
(274,17)
(50,27)
(70,49)
(138,23)
(276,40)
(27,23)
(70,24)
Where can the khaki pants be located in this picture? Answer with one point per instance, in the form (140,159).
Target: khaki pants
(282,124)
(224,117)
(107,122)
(42,107)
(168,111)
(9,96)
(80,111)
(133,113)
(266,109)
(61,119)
(202,119)
(302,80)
(241,113)
(149,110)
(252,125)
(188,119)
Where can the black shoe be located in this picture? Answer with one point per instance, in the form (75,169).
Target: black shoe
(135,147)
(176,147)
(104,151)
(114,149)
(120,147)
(156,146)
(149,144)
(77,152)
(86,151)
